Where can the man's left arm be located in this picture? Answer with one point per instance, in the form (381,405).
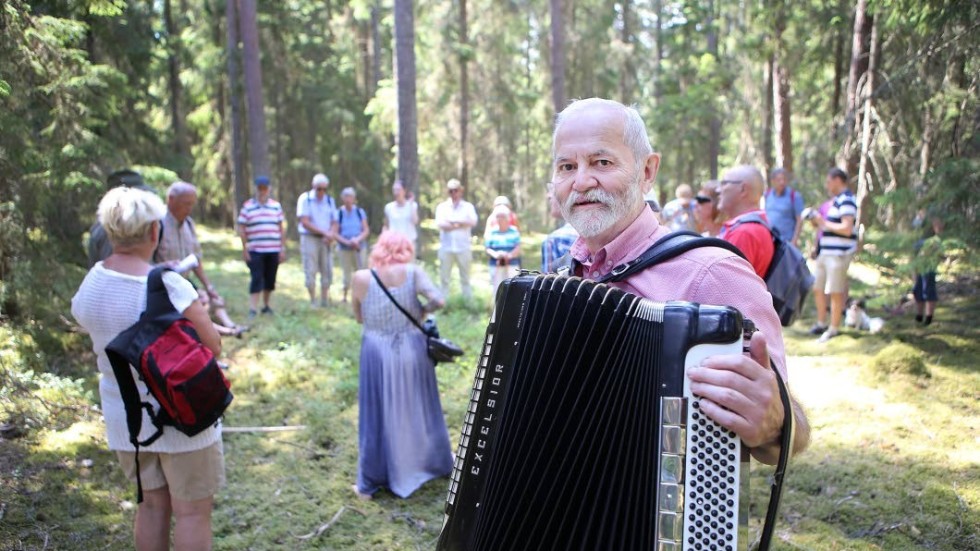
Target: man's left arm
(282,240)
(199,272)
(796,231)
(797,213)
(844,227)
(199,252)
(469,218)
(365,229)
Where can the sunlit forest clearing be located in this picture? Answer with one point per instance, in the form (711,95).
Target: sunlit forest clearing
(893,464)
(367,91)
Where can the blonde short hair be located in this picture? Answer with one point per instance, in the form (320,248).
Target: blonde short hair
(127,213)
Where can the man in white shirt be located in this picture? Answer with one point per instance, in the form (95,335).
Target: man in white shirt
(402,214)
(315,211)
(455,219)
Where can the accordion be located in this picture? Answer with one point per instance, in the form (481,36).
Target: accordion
(581,432)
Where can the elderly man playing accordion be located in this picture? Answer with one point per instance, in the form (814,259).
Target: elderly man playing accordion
(603,166)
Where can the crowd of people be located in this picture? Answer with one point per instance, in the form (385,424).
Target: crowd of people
(603,171)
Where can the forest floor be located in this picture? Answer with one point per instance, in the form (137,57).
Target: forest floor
(894,462)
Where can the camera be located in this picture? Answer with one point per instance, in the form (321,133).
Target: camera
(809,213)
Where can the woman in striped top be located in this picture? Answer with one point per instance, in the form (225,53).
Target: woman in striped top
(260,225)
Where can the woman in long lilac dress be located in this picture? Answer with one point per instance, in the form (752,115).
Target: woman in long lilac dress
(403,440)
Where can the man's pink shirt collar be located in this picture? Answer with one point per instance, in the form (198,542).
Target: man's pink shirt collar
(629,244)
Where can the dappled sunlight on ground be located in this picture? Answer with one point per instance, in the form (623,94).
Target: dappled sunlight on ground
(848,412)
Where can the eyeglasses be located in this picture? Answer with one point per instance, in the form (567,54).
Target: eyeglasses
(701,199)
(455,190)
(724,182)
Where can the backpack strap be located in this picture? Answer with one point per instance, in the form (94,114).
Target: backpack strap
(134,411)
(395,302)
(666,248)
(754,218)
(157,297)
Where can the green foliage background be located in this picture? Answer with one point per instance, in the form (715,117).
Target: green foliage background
(84,91)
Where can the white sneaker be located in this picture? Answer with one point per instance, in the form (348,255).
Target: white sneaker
(828,334)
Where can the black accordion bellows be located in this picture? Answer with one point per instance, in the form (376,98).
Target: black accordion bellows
(578,426)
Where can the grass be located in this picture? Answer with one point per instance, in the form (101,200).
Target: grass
(894,464)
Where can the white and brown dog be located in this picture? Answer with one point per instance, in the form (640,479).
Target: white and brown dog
(857,317)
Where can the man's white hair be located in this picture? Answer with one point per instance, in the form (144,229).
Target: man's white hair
(179,188)
(348,191)
(634,130)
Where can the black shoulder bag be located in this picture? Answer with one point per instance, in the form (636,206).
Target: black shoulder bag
(440,350)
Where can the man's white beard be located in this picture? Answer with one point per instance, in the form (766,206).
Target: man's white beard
(596,221)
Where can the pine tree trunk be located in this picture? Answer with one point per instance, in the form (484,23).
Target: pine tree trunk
(408,156)
(658,8)
(714,139)
(257,137)
(557,55)
(864,179)
(464,97)
(781,95)
(375,49)
(364,47)
(234,100)
(839,61)
(180,144)
(769,114)
(782,112)
(860,38)
(627,77)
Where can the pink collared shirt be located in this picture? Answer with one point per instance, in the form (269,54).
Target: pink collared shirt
(707,275)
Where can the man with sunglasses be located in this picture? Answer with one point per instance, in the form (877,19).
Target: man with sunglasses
(739,193)
(455,219)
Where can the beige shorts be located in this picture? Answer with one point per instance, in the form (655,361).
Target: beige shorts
(831,272)
(190,476)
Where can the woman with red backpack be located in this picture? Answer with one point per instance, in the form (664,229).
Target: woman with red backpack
(179,474)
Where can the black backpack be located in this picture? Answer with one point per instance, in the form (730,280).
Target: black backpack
(787,278)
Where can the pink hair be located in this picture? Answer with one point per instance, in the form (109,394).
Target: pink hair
(392,248)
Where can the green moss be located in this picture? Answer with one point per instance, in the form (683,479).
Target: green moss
(899,358)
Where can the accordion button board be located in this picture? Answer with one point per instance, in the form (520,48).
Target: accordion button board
(582,433)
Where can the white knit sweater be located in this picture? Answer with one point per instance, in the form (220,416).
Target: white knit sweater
(106,304)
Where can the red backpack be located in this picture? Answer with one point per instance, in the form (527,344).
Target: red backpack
(180,373)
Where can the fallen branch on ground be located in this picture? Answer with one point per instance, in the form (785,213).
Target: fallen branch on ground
(323,527)
(285,428)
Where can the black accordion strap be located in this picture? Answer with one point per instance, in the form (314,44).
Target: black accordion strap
(399,306)
(786,443)
(667,247)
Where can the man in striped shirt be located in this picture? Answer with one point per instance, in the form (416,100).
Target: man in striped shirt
(260,225)
(838,242)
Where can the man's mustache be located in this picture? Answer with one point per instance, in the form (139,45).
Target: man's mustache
(597,195)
